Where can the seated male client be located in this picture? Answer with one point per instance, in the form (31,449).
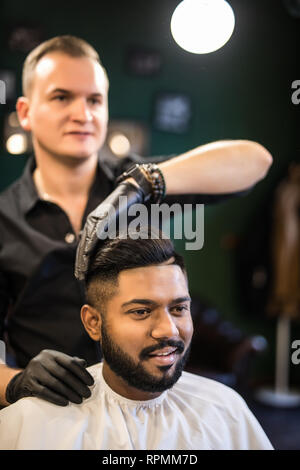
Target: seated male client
(138,307)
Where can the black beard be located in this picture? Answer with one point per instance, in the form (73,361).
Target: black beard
(134,374)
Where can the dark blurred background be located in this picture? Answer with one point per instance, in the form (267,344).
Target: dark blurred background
(241,91)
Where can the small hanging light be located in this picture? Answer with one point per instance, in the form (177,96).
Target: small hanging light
(202,26)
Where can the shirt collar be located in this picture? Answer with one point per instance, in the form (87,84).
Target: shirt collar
(29,196)
(28,191)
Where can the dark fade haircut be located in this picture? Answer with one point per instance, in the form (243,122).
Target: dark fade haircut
(66,44)
(113,256)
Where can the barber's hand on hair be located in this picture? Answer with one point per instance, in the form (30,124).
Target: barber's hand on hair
(98,221)
(52,376)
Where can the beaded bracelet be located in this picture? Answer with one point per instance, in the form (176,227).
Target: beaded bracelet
(152,174)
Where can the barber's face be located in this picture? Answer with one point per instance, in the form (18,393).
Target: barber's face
(146,331)
(66,109)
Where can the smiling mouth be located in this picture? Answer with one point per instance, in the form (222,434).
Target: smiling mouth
(163,352)
(164,357)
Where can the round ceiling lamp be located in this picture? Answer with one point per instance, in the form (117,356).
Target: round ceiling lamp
(202,26)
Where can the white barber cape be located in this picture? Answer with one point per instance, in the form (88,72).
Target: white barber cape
(197,413)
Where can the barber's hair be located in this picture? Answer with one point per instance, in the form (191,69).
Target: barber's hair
(119,254)
(69,45)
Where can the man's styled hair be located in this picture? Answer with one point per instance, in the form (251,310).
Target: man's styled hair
(119,254)
(69,45)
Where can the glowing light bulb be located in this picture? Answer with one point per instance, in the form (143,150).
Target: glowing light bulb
(119,144)
(16,144)
(202,26)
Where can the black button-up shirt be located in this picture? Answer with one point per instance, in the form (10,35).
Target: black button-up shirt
(40,298)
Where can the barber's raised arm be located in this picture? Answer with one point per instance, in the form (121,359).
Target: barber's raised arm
(217,168)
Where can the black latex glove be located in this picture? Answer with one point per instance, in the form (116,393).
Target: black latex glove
(98,221)
(52,376)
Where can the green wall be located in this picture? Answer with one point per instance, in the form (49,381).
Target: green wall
(241,91)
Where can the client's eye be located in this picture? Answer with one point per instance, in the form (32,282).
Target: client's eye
(179,309)
(140,312)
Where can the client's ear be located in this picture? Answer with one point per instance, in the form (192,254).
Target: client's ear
(91,320)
